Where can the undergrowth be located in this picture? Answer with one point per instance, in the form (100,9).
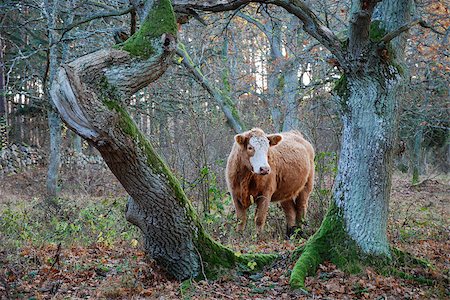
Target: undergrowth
(67,222)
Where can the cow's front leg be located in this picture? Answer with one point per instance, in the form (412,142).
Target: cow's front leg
(241,214)
(262,208)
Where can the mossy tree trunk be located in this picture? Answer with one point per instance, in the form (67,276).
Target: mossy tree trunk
(91,94)
(354,232)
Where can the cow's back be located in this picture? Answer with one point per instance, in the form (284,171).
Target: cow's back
(293,161)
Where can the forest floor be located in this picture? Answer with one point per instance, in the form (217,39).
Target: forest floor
(81,247)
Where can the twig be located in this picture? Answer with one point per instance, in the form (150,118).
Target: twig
(57,255)
(201,264)
(223,295)
(4,281)
(426,25)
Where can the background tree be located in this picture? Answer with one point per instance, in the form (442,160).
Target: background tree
(3,117)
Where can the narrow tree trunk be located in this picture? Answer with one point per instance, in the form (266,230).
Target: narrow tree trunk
(3,117)
(54,122)
(90,94)
(416,155)
(291,102)
(222,98)
(54,157)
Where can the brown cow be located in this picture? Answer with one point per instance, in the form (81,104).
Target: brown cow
(275,167)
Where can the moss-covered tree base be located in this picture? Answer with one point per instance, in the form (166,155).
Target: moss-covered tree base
(217,259)
(332,243)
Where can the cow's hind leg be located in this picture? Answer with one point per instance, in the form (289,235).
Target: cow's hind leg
(301,202)
(290,212)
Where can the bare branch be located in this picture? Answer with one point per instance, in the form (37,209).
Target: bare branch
(393,34)
(311,23)
(114,13)
(232,119)
(426,25)
(255,22)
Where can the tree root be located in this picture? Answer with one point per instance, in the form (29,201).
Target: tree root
(326,244)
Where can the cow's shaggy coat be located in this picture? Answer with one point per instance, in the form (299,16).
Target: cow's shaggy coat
(262,168)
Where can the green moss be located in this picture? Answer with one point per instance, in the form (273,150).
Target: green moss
(260,261)
(342,91)
(403,258)
(330,242)
(218,259)
(280,82)
(392,271)
(341,87)
(376,31)
(160,20)
(317,248)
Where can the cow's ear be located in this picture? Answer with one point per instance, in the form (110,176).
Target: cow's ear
(274,139)
(240,139)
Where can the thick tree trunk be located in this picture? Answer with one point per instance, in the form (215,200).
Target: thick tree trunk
(368,138)
(90,94)
(355,227)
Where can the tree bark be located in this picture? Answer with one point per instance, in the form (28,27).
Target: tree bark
(355,228)
(90,94)
(3,117)
(51,11)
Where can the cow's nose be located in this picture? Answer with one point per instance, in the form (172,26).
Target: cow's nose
(264,170)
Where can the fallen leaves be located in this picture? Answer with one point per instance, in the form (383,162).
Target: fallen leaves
(123,271)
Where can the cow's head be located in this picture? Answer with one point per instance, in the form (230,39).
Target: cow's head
(255,149)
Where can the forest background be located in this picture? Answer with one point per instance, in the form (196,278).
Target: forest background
(267,73)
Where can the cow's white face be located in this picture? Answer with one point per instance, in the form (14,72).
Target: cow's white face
(256,150)
(259,159)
